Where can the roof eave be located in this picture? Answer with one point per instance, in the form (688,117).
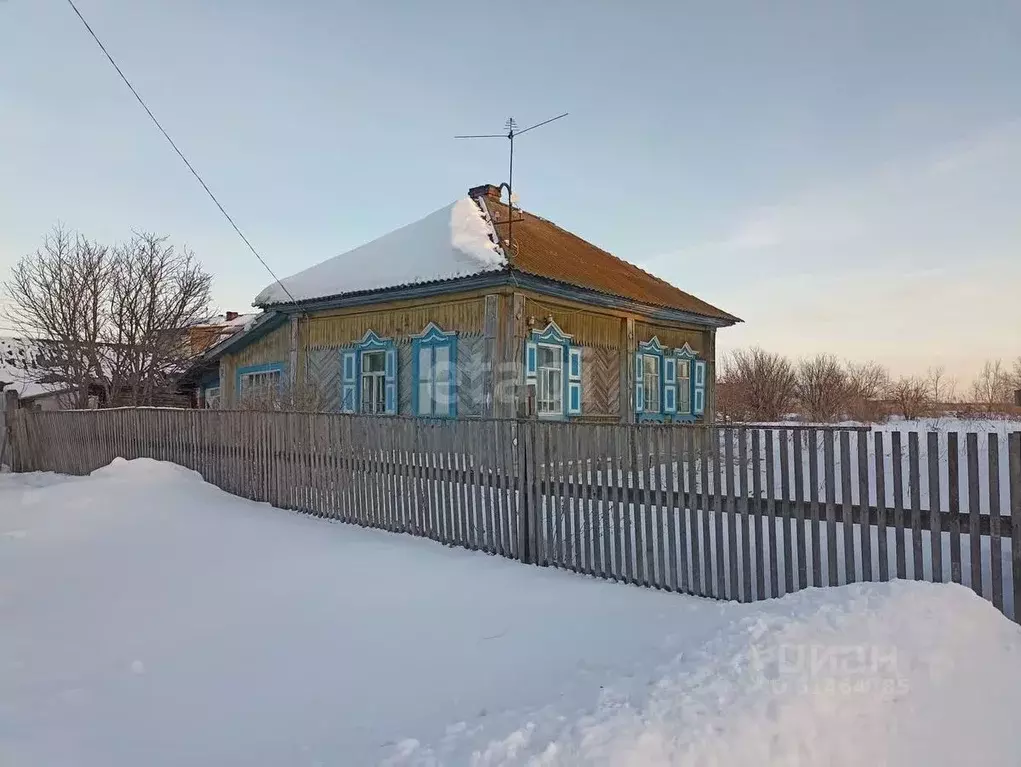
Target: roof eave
(508,276)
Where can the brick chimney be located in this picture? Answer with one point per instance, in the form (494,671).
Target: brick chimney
(231,316)
(486,190)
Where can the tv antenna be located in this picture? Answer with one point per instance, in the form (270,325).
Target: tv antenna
(512,132)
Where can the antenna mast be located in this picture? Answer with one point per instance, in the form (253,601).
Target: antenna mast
(512,131)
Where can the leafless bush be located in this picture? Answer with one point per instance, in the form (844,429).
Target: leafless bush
(867,383)
(992,388)
(823,388)
(910,396)
(110,319)
(756,385)
(301,398)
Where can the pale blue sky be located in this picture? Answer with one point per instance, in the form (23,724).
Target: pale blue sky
(845,177)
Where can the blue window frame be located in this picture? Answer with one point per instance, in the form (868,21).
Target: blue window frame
(553,368)
(650,381)
(691,381)
(433,373)
(260,381)
(369,376)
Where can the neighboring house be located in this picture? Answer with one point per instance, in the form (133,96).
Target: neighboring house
(207,333)
(22,370)
(445,318)
(200,381)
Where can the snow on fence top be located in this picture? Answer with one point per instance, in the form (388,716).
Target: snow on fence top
(454,241)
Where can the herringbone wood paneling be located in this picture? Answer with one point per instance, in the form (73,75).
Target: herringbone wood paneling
(404,378)
(470,375)
(323,376)
(600,381)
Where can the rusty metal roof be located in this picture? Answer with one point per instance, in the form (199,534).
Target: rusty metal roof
(543,249)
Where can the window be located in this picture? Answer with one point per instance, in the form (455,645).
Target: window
(550,380)
(553,370)
(374,382)
(434,374)
(651,383)
(434,383)
(683,386)
(369,376)
(211,398)
(260,385)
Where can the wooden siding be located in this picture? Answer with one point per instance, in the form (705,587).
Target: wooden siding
(397,320)
(586,326)
(600,389)
(672,337)
(273,347)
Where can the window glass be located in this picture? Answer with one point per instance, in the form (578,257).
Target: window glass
(374,382)
(683,386)
(651,381)
(550,380)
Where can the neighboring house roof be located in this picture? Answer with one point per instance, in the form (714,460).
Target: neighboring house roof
(232,321)
(461,240)
(257,326)
(21,370)
(210,331)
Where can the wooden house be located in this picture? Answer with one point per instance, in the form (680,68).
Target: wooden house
(446,318)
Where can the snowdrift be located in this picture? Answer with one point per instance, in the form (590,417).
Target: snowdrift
(149,618)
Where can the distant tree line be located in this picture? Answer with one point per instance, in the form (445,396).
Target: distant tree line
(758,385)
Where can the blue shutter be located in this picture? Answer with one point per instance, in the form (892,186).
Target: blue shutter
(574,381)
(391,380)
(669,385)
(349,378)
(639,383)
(531,353)
(698,387)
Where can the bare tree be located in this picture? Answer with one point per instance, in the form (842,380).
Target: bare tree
(155,292)
(757,385)
(867,382)
(823,388)
(911,397)
(992,387)
(109,319)
(941,387)
(59,294)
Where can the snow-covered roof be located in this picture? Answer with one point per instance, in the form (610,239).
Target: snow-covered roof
(20,368)
(455,241)
(236,323)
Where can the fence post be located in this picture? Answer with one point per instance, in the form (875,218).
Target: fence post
(524,479)
(1014,455)
(7,430)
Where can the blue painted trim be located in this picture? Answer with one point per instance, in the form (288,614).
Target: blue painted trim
(267,367)
(652,348)
(552,335)
(504,278)
(373,343)
(431,338)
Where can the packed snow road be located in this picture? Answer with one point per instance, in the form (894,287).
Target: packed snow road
(149,618)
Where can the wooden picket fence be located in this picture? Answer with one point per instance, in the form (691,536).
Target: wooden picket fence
(739,513)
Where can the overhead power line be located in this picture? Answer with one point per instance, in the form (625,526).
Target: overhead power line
(180,154)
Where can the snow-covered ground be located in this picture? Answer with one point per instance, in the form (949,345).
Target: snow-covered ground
(149,618)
